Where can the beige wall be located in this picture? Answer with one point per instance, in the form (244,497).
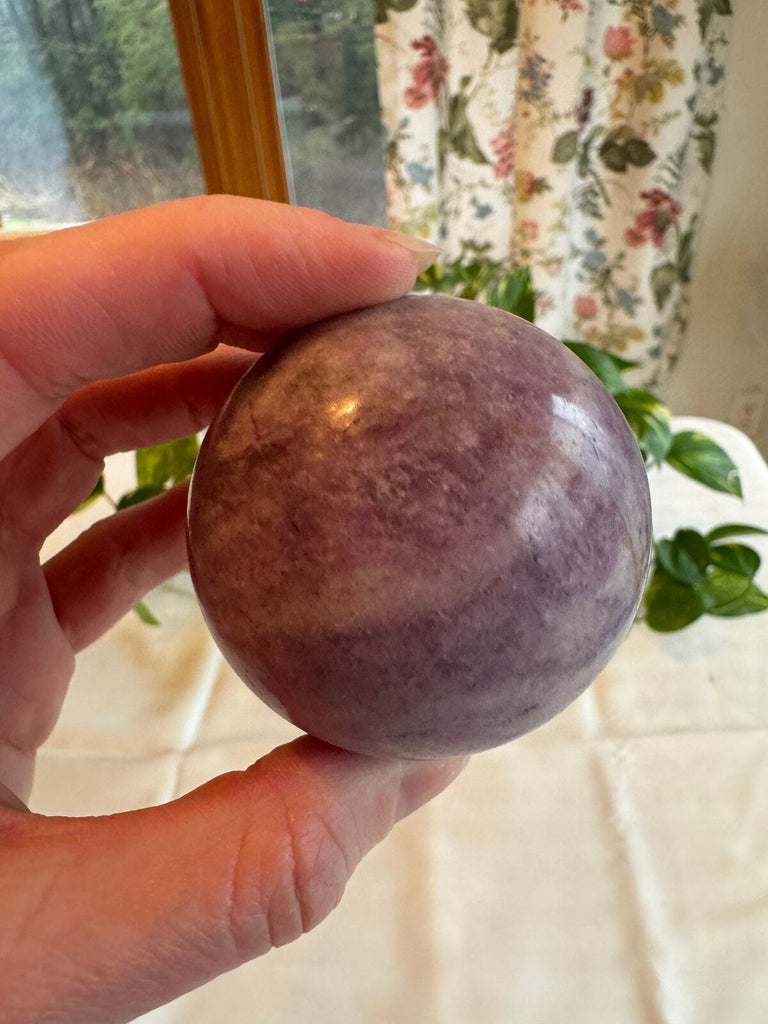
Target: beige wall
(723,371)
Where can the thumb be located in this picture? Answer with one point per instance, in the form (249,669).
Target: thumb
(106,918)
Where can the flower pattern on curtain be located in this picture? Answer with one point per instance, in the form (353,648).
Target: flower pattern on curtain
(573,136)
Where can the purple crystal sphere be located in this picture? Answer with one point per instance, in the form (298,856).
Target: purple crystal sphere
(419,529)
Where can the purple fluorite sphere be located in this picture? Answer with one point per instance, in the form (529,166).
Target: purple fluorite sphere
(419,529)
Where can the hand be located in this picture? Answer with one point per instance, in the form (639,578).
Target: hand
(116,335)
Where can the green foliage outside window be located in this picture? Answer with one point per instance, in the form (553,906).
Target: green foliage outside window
(326,63)
(693,574)
(105,73)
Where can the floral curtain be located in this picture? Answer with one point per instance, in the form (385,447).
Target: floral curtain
(573,136)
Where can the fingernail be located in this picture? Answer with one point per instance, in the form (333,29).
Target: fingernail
(423,780)
(426,252)
(9,799)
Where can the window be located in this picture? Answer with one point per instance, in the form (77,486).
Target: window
(107,105)
(93,113)
(326,69)
(310,131)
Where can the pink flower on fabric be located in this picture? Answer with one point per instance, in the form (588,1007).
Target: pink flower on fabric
(618,42)
(585,306)
(652,223)
(529,229)
(503,146)
(566,6)
(428,74)
(634,237)
(527,186)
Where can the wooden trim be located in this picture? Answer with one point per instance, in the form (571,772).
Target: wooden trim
(226,59)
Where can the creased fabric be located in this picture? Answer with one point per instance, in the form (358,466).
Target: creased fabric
(612,865)
(573,136)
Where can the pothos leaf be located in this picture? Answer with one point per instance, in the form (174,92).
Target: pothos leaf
(669,605)
(607,367)
(722,589)
(735,558)
(684,558)
(733,530)
(471,279)
(649,419)
(164,464)
(693,576)
(514,293)
(145,614)
(698,457)
(753,600)
(97,491)
(138,495)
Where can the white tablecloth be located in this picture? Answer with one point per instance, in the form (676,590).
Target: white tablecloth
(610,868)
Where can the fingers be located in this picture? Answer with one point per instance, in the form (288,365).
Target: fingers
(9,799)
(55,469)
(97,578)
(145,408)
(156,285)
(136,909)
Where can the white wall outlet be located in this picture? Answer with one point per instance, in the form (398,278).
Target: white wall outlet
(747,408)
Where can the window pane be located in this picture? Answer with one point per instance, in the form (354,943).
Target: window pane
(93,116)
(326,68)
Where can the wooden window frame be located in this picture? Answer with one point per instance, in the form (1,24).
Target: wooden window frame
(228,66)
(226,58)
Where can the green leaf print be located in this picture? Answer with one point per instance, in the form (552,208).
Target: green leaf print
(705,144)
(705,139)
(685,253)
(383,7)
(707,8)
(621,148)
(663,280)
(565,147)
(496,19)
(461,137)
(649,87)
(639,153)
(613,155)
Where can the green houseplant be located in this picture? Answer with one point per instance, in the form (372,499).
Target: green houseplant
(694,574)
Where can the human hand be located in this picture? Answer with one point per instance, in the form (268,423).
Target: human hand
(114,336)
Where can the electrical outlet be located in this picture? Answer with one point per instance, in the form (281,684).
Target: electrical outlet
(747,408)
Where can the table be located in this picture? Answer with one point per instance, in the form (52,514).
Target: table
(612,866)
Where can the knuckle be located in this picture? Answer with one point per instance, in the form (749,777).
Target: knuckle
(286,879)
(319,868)
(85,442)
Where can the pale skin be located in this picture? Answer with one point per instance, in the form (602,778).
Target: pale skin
(113,336)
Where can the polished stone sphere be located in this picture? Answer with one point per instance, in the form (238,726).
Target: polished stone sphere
(419,529)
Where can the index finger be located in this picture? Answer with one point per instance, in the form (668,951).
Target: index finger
(156,285)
